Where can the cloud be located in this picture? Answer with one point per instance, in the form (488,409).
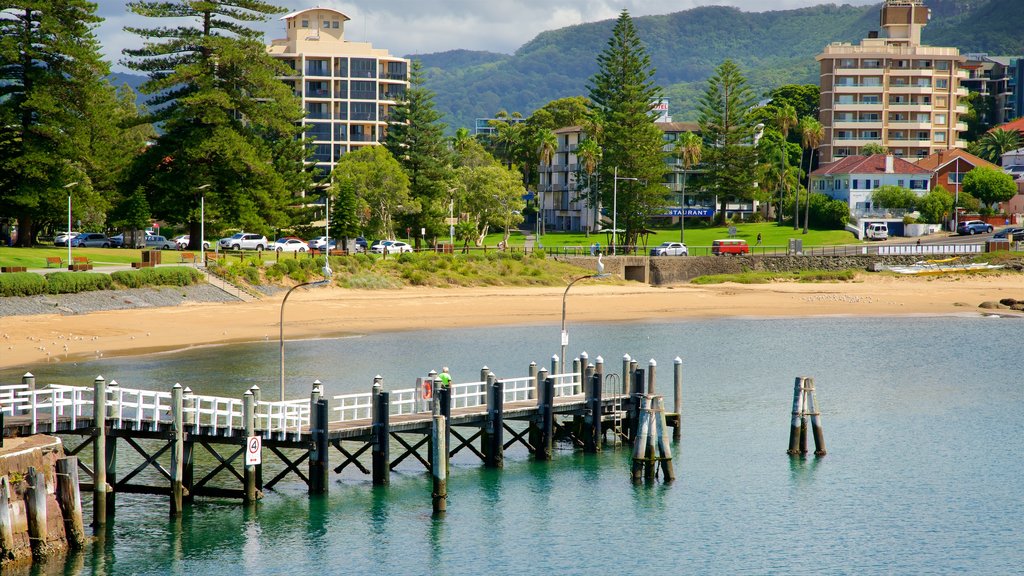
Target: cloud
(419,27)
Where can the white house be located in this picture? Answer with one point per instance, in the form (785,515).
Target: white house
(852,179)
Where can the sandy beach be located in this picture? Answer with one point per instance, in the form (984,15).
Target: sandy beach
(29,340)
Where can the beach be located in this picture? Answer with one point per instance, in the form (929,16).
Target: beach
(26,341)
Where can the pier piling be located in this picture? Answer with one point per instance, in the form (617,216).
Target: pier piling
(594,385)
(496,450)
(651,366)
(547,421)
(805,404)
(177,449)
(6,525)
(188,446)
(69,499)
(626,376)
(812,406)
(35,508)
(794,429)
(439,462)
(99,453)
(640,440)
(249,471)
(668,472)
(381,459)
(677,398)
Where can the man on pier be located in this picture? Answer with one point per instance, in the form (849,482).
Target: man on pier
(445,378)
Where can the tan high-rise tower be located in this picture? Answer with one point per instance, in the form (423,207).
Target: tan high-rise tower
(891,90)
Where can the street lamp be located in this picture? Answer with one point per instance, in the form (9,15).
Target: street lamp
(615,205)
(565,334)
(68,187)
(202,222)
(327,279)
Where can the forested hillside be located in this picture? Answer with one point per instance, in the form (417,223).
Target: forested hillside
(773,48)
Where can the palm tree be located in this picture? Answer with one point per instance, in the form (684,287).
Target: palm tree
(812,133)
(998,142)
(785,119)
(688,149)
(588,153)
(461,140)
(547,144)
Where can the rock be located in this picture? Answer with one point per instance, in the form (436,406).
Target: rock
(1019,306)
(990,305)
(1008,301)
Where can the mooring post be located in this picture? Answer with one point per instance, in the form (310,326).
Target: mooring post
(577,369)
(581,378)
(542,375)
(444,400)
(538,423)
(177,449)
(6,525)
(651,464)
(381,441)
(812,407)
(249,470)
(110,456)
(438,462)
(29,380)
(640,454)
(651,366)
(320,466)
(35,508)
(189,422)
(794,429)
(636,392)
(668,472)
(532,372)
(256,399)
(70,501)
(803,418)
(99,452)
(626,380)
(592,438)
(677,399)
(487,428)
(547,423)
(497,436)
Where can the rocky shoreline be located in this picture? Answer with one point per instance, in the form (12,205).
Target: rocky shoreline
(102,300)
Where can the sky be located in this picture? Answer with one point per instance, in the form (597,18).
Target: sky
(424,26)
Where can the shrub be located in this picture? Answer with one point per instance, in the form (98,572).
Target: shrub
(75,282)
(176,276)
(22,284)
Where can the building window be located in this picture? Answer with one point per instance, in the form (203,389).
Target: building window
(875,184)
(305,24)
(900,183)
(956,177)
(942,65)
(940,119)
(941,83)
(335,24)
(939,137)
(856,184)
(918,184)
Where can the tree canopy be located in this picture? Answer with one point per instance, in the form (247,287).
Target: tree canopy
(989,185)
(380,185)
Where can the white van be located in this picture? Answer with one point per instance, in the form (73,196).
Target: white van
(877,231)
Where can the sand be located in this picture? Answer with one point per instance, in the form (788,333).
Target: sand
(26,341)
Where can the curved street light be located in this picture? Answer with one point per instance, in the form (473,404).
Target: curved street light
(565,334)
(68,187)
(327,280)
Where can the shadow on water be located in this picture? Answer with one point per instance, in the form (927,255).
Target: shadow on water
(802,469)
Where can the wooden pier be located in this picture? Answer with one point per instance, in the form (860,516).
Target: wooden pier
(195,445)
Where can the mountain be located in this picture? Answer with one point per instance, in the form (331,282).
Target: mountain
(773,48)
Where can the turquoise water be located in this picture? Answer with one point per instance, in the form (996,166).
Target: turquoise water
(922,417)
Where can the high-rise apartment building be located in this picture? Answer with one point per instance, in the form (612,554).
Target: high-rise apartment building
(347,88)
(891,90)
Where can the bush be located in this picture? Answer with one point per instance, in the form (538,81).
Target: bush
(22,284)
(176,276)
(75,282)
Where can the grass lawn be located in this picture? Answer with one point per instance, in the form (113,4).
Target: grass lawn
(36,257)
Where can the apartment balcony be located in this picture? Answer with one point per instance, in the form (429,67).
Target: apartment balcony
(961,109)
(857,124)
(857,88)
(855,141)
(962,92)
(905,142)
(910,107)
(960,127)
(910,89)
(857,107)
(910,125)
(960,144)
(860,71)
(962,74)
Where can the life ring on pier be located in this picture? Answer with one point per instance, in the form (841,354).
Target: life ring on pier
(427,391)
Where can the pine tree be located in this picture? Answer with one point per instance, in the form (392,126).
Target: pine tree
(345,214)
(728,131)
(227,120)
(416,139)
(623,93)
(57,116)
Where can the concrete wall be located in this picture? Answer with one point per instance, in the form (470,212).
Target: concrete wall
(17,455)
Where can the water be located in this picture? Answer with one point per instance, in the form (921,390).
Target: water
(922,417)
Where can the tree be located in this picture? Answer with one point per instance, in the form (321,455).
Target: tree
(812,133)
(728,131)
(547,144)
(571,111)
(872,148)
(622,92)
(56,113)
(416,139)
(490,196)
(132,214)
(994,144)
(588,153)
(989,185)
(461,140)
(227,120)
(894,198)
(346,215)
(688,149)
(936,206)
(785,119)
(380,184)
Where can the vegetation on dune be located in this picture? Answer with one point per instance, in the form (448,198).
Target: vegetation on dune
(767,277)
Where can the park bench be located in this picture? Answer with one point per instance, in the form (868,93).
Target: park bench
(6,269)
(80,263)
(54,262)
(188,257)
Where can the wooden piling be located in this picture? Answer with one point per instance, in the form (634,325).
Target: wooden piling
(532,372)
(677,398)
(6,525)
(381,440)
(35,508)
(70,501)
(545,446)
(496,451)
(487,426)
(577,369)
(249,470)
(177,449)
(439,464)
(651,366)
(651,464)
(635,397)
(592,434)
(640,441)
(188,446)
(99,452)
(668,472)
(626,377)
(580,379)
(319,461)
(812,407)
(794,429)
(257,397)
(30,381)
(110,454)
(444,402)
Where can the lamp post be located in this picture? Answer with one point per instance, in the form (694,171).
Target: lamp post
(68,187)
(565,334)
(615,205)
(202,222)
(325,281)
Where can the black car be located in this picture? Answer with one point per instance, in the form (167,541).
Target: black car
(1014,234)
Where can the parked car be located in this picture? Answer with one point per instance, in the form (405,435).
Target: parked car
(670,249)
(183,240)
(290,244)
(90,240)
(973,227)
(160,243)
(391,247)
(62,238)
(1014,234)
(244,241)
(732,246)
(117,241)
(877,231)
(360,244)
(319,242)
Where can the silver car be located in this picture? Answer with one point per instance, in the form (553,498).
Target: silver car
(670,249)
(90,240)
(160,243)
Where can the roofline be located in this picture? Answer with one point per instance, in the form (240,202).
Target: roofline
(297,12)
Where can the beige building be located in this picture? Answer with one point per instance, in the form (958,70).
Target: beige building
(347,88)
(891,90)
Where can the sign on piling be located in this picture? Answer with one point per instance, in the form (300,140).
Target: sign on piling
(253,451)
